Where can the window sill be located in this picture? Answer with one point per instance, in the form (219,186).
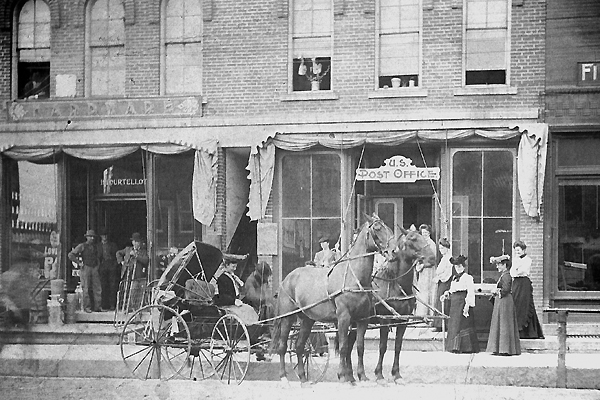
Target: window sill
(484,90)
(400,92)
(311,95)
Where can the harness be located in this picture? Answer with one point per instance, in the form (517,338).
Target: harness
(345,257)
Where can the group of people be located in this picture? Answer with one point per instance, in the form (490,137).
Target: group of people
(513,315)
(102,266)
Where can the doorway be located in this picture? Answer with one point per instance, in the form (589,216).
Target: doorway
(121,218)
(404,211)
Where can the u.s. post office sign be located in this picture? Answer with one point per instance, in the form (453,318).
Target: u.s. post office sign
(398,169)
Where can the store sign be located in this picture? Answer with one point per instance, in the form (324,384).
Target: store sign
(397,169)
(588,73)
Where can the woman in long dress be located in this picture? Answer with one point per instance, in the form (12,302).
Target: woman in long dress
(522,292)
(443,277)
(504,334)
(462,337)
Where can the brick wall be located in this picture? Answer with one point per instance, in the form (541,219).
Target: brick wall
(245,58)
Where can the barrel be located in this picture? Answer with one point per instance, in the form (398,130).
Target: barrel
(72,307)
(39,307)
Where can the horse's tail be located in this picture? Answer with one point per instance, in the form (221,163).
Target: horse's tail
(275,332)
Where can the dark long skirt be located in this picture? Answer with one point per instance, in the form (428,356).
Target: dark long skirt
(462,337)
(504,334)
(527,320)
(441,289)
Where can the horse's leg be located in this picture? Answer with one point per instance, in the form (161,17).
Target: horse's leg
(361,329)
(383,340)
(344,374)
(285,325)
(305,328)
(400,329)
(351,342)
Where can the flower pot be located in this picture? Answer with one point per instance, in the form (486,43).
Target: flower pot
(395,83)
(315,85)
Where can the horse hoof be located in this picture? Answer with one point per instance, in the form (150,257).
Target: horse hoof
(285,383)
(306,384)
(381,382)
(399,381)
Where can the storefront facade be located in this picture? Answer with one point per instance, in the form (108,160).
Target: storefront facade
(572,230)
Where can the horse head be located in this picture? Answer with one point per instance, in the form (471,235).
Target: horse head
(381,237)
(414,248)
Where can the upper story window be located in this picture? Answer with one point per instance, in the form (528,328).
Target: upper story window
(182,47)
(106,48)
(399,43)
(487,42)
(311,42)
(33,50)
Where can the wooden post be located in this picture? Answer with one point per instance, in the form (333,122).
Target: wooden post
(561,370)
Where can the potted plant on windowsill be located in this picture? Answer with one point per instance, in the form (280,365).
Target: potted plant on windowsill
(314,74)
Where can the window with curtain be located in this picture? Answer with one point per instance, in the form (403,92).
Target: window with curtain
(487,39)
(33,50)
(310,206)
(182,46)
(311,31)
(106,48)
(483,193)
(399,43)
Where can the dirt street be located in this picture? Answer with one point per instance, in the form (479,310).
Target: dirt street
(24,388)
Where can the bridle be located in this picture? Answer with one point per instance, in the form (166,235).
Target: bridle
(419,258)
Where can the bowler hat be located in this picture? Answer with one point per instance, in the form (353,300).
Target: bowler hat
(137,237)
(323,239)
(90,232)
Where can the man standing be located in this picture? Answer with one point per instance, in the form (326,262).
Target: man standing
(89,263)
(109,272)
(134,270)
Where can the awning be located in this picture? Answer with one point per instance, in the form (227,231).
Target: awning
(531,160)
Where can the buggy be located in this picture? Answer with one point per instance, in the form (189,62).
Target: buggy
(180,333)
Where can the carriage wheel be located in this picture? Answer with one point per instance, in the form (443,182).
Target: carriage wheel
(200,365)
(155,342)
(315,364)
(230,349)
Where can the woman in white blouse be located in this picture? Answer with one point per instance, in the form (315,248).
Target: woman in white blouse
(522,292)
(462,337)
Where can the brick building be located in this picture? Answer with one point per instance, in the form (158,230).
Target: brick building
(572,102)
(255,115)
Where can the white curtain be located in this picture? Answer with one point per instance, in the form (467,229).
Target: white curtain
(204,186)
(261,166)
(531,166)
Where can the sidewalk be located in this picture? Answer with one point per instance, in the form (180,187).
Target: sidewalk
(417,367)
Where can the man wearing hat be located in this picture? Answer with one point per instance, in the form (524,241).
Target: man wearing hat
(134,269)
(88,256)
(109,271)
(326,257)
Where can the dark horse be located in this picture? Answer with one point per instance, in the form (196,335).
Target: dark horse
(394,285)
(339,295)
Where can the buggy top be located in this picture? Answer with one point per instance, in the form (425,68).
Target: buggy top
(197,263)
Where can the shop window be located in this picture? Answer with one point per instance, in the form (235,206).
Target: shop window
(33,50)
(487,42)
(483,192)
(35,239)
(174,224)
(311,31)
(106,48)
(182,46)
(399,43)
(579,235)
(310,206)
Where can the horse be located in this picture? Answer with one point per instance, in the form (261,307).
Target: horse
(338,295)
(393,287)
